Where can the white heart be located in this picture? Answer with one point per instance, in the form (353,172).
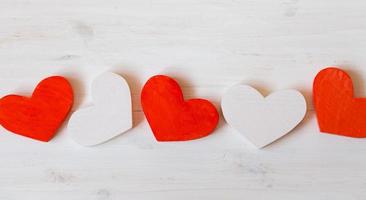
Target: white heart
(110,116)
(262,120)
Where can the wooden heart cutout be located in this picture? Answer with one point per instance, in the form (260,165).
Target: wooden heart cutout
(263,120)
(40,116)
(338,111)
(110,116)
(170,117)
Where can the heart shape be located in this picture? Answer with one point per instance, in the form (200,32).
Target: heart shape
(338,111)
(170,117)
(40,116)
(263,120)
(110,116)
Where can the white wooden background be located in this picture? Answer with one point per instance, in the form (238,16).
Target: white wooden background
(207,45)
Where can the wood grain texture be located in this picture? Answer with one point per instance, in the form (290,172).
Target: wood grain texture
(207,46)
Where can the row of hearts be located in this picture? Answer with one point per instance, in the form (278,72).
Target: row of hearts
(171,118)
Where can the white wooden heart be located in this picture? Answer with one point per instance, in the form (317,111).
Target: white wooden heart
(110,116)
(262,120)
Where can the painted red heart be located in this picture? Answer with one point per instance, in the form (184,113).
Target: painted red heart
(170,117)
(338,111)
(40,116)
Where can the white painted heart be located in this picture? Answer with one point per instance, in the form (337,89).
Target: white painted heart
(110,116)
(263,120)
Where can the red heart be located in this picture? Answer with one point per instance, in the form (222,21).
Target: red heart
(170,117)
(338,111)
(40,116)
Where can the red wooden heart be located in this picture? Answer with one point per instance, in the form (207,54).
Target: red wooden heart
(40,116)
(338,111)
(170,117)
